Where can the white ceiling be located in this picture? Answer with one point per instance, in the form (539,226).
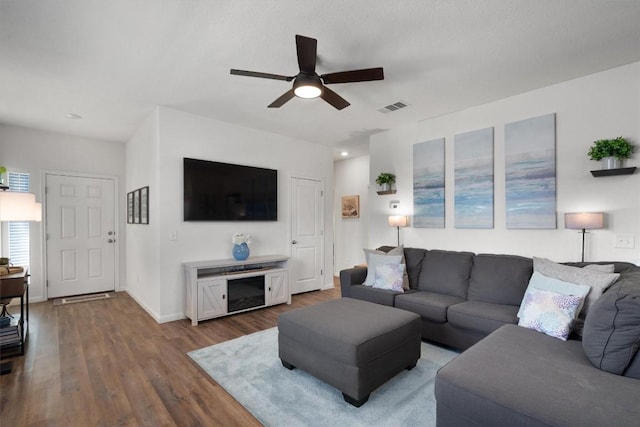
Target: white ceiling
(113,61)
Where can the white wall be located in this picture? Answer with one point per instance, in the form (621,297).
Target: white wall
(351,235)
(143,247)
(185,135)
(602,105)
(35,151)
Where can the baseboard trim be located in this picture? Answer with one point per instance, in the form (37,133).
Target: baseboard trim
(158,318)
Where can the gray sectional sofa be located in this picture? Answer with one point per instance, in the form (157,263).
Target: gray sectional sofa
(510,375)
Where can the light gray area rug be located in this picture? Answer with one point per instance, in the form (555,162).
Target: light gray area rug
(250,370)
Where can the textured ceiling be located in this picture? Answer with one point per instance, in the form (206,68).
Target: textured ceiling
(113,61)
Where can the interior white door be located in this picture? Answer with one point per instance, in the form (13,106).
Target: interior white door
(306,234)
(80,227)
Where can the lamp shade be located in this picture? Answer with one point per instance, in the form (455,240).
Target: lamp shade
(17,206)
(397,221)
(584,220)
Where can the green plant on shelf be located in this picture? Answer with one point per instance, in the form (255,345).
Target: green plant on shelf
(385,178)
(618,147)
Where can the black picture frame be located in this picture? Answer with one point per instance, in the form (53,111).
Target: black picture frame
(144,205)
(130,207)
(136,206)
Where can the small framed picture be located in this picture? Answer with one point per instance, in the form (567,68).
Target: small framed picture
(350,207)
(136,206)
(144,205)
(130,207)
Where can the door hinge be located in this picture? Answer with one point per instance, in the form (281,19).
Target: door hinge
(47,284)
(321,272)
(321,193)
(47,236)
(46,190)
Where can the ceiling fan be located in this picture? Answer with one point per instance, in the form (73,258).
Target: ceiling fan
(308,84)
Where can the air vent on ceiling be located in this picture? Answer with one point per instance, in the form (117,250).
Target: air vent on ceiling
(393,107)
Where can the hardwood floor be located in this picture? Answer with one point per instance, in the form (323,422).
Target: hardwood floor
(108,363)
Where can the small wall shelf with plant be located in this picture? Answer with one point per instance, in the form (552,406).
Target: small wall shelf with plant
(611,152)
(386,181)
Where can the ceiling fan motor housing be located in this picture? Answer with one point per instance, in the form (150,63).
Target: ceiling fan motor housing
(307,86)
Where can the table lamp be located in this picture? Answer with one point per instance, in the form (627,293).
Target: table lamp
(584,221)
(398,221)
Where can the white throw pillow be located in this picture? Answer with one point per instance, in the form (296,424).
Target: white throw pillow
(540,281)
(373,261)
(598,282)
(549,312)
(389,276)
(395,251)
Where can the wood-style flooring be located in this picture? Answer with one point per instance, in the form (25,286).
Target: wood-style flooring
(108,363)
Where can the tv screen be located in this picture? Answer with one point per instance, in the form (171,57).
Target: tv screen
(216,191)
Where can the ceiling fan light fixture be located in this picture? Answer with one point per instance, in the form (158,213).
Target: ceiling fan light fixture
(307,86)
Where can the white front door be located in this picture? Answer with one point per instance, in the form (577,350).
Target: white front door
(80,227)
(306,234)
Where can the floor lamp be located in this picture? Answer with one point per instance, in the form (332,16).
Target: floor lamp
(398,221)
(584,221)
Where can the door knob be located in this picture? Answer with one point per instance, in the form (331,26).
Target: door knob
(111,233)
(293,242)
(111,240)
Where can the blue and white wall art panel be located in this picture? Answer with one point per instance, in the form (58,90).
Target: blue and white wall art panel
(530,154)
(428,184)
(473,170)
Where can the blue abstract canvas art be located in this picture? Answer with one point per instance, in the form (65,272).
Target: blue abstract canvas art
(530,153)
(428,184)
(473,170)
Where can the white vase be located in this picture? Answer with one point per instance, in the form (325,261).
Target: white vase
(386,187)
(611,163)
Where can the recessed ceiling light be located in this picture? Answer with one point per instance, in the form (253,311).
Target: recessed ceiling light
(344,153)
(73,116)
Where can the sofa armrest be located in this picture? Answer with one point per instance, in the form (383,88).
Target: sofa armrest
(351,276)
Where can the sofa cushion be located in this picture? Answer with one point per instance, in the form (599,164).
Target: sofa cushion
(482,317)
(413,258)
(611,335)
(633,370)
(378,296)
(549,312)
(446,272)
(520,377)
(428,305)
(500,279)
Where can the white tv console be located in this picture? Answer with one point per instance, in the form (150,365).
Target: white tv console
(218,288)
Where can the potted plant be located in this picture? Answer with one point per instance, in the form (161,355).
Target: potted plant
(386,179)
(611,151)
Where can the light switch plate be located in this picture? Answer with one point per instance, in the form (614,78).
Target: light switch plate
(625,241)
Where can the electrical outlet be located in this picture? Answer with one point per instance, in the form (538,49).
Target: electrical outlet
(624,241)
(173,236)
(394,204)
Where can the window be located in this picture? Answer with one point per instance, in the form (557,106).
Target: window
(18,231)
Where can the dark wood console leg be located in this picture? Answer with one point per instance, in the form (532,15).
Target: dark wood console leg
(287,365)
(354,402)
(410,367)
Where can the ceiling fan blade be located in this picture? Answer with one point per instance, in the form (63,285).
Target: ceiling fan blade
(334,99)
(261,75)
(307,54)
(364,75)
(283,99)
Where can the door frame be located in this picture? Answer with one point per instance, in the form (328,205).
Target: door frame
(116,223)
(323,207)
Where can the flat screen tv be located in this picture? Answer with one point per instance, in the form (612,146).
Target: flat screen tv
(216,191)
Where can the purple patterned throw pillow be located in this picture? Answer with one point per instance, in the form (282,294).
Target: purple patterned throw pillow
(549,312)
(389,276)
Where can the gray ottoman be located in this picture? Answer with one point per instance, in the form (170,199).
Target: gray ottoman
(352,345)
